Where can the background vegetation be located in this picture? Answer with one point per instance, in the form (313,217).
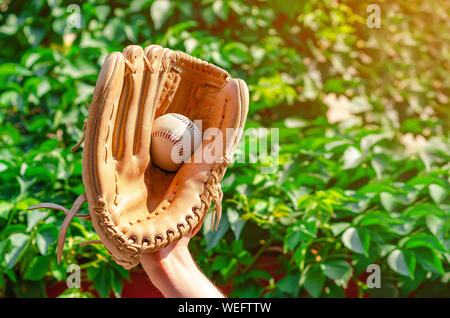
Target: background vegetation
(363,173)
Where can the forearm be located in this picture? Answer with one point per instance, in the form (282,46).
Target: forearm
(176,275)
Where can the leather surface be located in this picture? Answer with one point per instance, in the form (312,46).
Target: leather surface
(135,207)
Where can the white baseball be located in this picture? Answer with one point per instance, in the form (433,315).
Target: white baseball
(174,138)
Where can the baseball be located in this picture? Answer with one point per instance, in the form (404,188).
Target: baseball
(174,139)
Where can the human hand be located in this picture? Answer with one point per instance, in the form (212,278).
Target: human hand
(173,271)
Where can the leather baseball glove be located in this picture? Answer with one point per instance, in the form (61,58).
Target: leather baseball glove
(135,207)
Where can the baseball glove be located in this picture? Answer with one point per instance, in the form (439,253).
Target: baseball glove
(135,207)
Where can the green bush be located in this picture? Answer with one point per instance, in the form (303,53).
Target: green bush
(362,175)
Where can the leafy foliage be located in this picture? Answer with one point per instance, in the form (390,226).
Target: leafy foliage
(362,175)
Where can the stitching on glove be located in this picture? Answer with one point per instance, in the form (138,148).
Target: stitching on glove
(168,91)
(130,68)
(148,64)
(211,193)
(165,64)
(203,66)
(116,190)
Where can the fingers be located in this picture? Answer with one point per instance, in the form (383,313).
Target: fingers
(97,154)
(146,112)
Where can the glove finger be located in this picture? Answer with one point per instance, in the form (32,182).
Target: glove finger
(168,58)
(234,100)
(124,129)
(234,96)
(146,112)
(97,155)
(167,63)
(240,98)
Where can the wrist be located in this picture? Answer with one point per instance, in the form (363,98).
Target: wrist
(174,272)
(169,265)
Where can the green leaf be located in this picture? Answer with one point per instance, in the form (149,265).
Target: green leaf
(58,271)
(289,285)
(46,236)
(34,217)
(38,123)
(27,202)
(236,223)
(18,242)
(338,228)
(309,228)
(92,272)
(425,240)
(220,261)
(103,281)
(185,8)
(11,274)
(407,285)
(389,201)
(160,11)
(356,240)
(334,85)
(37,268)
(34,35)
(244,257)
(125,274)
(402,262)
(10,26)
(338,270)
(5,207)
(213,237)
(117,284)
(255,273)
(14,69)
(437,193)
(422,209)
(102,11)
(370,140)
(220,9)
(352,158)
(77,68)
(293,238)
(377,218)
(379,165)
(435,224)
(15,228)
(429,260)
(230,268)
(313,280)
(333,291)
